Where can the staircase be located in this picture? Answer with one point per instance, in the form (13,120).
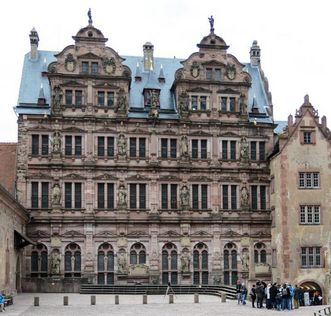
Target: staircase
(158,289)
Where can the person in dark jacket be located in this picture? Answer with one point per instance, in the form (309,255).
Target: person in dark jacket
(252,294)
(260,293)
(273,294)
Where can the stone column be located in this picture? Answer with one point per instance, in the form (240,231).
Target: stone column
(88,254)
(154,258)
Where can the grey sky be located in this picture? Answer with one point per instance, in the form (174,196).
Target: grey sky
(293,36)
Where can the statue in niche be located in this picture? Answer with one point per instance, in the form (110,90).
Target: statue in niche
(56,144)
(244,198)
(122,196)
(184,147)
(183,104)
(185,262)
(121,263)
(57,97)
(56,194)
(185,197)
(245,261)
(121,146)
(154,97)
(55,263)
(244,149)
(121,103)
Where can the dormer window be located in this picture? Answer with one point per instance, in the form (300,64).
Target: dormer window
(85,67)
(209,73)
(151,97)
(94,68)
(218,74)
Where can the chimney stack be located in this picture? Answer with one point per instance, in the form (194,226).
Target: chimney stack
(34,41)
(148,50)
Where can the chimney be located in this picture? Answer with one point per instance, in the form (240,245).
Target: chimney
(34,41)
(41,98)
(148,50)
(137,76)
(324,122)
(161,75)
(255,54)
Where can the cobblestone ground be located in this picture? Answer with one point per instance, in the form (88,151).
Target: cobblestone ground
(52,304)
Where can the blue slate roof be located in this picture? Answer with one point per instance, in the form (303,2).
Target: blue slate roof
(32,80)
(280,127)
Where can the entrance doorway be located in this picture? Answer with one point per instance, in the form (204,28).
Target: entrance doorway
(310,293)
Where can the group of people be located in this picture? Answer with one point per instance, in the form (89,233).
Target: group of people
(276,296)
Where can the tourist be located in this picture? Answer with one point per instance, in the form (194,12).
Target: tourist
(279,298)
(296,297)
(267,295)
(260,293)
(286,297)
(2,302)
(238,291)
(243,295)
(273,293)
(252,294)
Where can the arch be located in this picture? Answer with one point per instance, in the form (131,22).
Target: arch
(314,289)
(72,260)
(39,260)
(137,253)
(169,263)
(105,264)
(230,266)
(260,253)
(200,263)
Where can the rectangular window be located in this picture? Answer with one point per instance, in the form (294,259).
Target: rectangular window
(204,196)
(68,97)
(110,98)
(253,150)
(110,146)
(44,195)
(194,102)
(105,195)
(142,147)
(78,97)
(110,196)
(35,145)
(173,148)
(78,195)
(203,103)
(233,150)
(133,147)
(101,195)
(101,146)
(78,145)
(310,257)
(164,148)
(233,197)
(34,195)
(73,195)
(263,197)
(262,150)
(173,196)
(307,137)
(310,214)
(203,153)
(224,101)
(225,197)
(224,149)
(68,145)
(164,196)
(101,98)
(254,197)
(309,180)
(67,195)
(195,196)
(85,67)
(94,68)
(209,72)
(44,145)
(133,196)
(218,74)
(142,196)
(195,148)
(232,104)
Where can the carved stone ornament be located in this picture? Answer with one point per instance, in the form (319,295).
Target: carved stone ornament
(230,71)
(195,70)
(56,99)
(183,101)
(70,63)
(109,65)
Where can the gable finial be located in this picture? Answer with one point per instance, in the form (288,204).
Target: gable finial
(89,14)
(211,22)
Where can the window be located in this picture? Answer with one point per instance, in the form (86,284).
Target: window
(199,102)
(209,72)
(200,264)
(85,67)
(105,264)
(309,180)
(307,137)
(233,150)
(105,195)
(169,196)
(199,149)
(229,150)
(78,97)
(262,150)
(140,144)
(254,196)
(138,254)
(137,196)
(40,195)
(253,150)
(228,104)
(72,261)
(263,197)
(73,195)
(105,98)
(230,264)
(94,68)
(68,97)
(168,148)
(38,140)
(73,145)
(200,196)
(229,199)
(169,264)
(39,261)
(311,257)
(309,214)
(105,146)
(218,74)
(260,254)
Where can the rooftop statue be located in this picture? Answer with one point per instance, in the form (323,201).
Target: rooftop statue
(89,14)
(211,22)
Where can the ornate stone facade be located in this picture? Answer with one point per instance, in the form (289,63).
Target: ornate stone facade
(149,171)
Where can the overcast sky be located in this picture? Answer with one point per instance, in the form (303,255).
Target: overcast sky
(294,37)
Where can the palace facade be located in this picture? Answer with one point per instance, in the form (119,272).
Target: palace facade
(144,169)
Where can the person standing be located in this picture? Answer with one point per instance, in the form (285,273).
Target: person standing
(252,294)
(243,294)
(238,291)
(2,302)
(259,295)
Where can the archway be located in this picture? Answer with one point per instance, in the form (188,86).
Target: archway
(314,292)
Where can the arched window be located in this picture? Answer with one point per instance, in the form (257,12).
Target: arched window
(72,261)
(260,253)
(105,264)
(230,264)
(169,264)
(39,261)
(138,254)
(200,264)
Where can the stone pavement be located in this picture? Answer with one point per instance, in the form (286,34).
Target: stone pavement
(52,304)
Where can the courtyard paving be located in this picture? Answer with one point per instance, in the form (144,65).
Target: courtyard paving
(79,305)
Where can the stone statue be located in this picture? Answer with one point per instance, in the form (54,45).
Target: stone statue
(154,99)
(73,259)
(121,263)
(121,146)
(245,261)
(244,149)
(184,197)
(121,103)
(56,194)
(89,14)
(244,199)
(185,262)
(55,263)
(56,144)
(183,104)
(122,196)
(184,147)
(57,96)
(211,22)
